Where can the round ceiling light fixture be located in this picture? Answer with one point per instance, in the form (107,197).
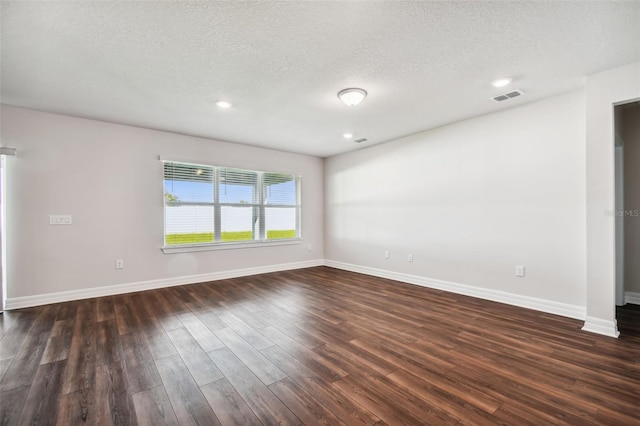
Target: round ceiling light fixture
(352,97)
(347,135)
(223,104)
(501,82)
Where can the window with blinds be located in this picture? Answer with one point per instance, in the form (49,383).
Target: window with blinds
(206,205)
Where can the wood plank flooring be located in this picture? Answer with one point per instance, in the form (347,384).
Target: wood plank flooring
(312,346)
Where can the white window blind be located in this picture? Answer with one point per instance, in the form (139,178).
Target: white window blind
(209,205)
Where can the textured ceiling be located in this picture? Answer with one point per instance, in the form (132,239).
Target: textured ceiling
(163,64)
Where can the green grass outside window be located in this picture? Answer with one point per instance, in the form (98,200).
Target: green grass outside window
(207,237)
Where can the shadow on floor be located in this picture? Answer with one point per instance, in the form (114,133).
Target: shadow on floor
(629,321)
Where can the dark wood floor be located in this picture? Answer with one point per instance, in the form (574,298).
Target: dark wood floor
(312,346)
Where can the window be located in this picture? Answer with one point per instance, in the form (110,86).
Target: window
(209,205)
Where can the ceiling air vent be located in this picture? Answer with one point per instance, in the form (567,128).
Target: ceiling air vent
(360,140)
(508,96)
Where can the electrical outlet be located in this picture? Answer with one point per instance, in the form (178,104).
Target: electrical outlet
(410,258)
(519,271)
(387,255)
(119,264)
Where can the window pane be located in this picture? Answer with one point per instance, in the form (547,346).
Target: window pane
(188,183)
(280,222)
(238,186)
(188,224)
(239,223)
(280,189)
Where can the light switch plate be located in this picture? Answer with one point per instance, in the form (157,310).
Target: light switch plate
(60,219)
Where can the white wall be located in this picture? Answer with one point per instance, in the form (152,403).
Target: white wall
(471,201)
(603,90)
(109,178)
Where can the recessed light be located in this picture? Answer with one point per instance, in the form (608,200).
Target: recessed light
(223,104)
(347,135)
(352,97)
(501,82)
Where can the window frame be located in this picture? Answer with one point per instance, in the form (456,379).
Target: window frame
(260,207)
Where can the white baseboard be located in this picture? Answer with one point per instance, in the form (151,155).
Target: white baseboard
(630,297)
(600,326)
(563,309)
(66,296)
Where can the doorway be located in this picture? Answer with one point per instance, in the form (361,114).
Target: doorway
(2,249)
(4,153)
(627,206)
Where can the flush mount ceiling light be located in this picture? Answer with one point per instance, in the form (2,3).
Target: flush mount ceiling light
(352,97)
(347,135)
(223,104)
(501,82)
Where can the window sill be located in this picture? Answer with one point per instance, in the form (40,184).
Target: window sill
(228,246)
